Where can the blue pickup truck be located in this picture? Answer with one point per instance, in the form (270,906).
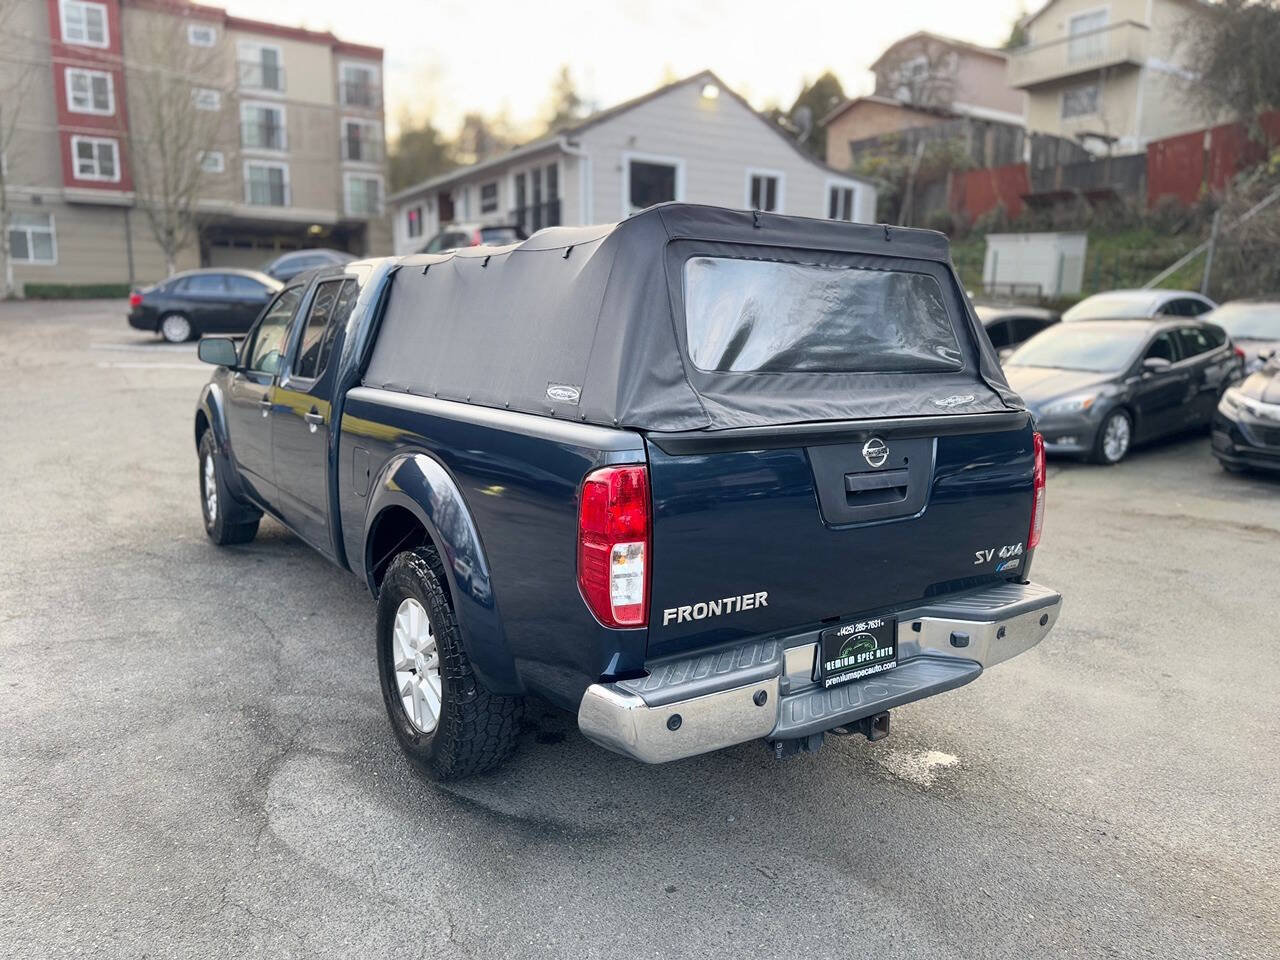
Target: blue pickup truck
(701,477)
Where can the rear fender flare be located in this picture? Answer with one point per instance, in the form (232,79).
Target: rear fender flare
(420,484)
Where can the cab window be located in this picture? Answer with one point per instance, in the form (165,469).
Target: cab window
(265,347)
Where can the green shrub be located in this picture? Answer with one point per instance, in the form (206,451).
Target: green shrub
(75,291)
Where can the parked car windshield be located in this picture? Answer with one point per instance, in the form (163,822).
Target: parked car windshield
(745,316)
(497,235)
(1249,321)
(1105,306)
(1102,349)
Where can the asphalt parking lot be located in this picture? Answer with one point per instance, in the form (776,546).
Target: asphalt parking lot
(194,760)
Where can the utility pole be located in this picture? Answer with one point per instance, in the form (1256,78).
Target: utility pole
(1208,257)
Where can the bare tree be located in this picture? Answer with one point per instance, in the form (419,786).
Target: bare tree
(1234,68)
(921,74)
(17,69)
(175,115)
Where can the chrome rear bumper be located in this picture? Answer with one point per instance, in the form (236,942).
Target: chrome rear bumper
(765,688)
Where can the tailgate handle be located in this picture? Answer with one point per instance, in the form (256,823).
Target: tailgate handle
(888,480)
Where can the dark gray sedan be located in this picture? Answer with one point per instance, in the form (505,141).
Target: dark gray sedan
(1096,387)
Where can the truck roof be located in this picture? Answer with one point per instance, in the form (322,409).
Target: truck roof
(588,323)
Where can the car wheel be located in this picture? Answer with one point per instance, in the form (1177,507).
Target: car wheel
(446,721)
(176,328)
(1114,438)
(225,521)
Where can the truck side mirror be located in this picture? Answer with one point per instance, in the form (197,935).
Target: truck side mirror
(1150,365)
(220,351)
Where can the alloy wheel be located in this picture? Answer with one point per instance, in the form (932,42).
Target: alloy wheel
(417,665)
(1115,437)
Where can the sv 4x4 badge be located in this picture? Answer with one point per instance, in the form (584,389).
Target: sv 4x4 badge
(1009,552)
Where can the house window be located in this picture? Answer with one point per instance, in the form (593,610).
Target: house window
(650,180)
(266,184)
(84,23)
(358,85)
(201,35)
(1088,40)
(212,161)
(261,66)
(413,221)
(361,141)
(262,127)
(1080,101)
(488,197)
(90,91)
(364,195)
(764,190)
(206,98)
(31,238)
(96,158)
(842,201)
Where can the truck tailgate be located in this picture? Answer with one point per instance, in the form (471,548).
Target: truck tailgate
(751,542)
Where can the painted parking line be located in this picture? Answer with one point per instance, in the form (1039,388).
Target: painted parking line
(150,365)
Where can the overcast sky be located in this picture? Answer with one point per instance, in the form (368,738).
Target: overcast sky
(446,57)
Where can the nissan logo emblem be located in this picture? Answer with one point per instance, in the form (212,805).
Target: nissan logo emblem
(875,452)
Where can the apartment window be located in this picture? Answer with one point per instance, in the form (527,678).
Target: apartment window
(261,66)
(413,221)
(650,180)
(266,184)
(1087,40)
(84,23)
(262,126)
(842,201)
(90,91)
(1080,101)
(361,141)
(764,190)
(206,98)
(358,85)
(201,35)
(96,158)
(212,161)
(364,195)
(489,197)
(31,238)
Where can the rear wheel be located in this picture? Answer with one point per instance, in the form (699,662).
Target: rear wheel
(176,328)
(1114,438)
(447,722)
(225,521)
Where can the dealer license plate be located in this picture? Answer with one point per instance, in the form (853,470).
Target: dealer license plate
(857,649)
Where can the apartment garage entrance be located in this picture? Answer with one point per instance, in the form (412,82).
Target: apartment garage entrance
(251,244)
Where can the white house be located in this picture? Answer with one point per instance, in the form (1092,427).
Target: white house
(694,140)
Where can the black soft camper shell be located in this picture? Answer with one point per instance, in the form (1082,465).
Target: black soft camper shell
(688,317)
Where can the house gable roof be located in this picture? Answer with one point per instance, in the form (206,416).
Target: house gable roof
(946,41)
(563,136)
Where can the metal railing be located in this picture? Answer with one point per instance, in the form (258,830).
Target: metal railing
(1123,42)
(357,93)
(257,75)
(256,135)
(361,149)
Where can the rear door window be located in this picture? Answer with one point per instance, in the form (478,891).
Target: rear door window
(1193,341)
(204,285)
(758,316)
(330,309)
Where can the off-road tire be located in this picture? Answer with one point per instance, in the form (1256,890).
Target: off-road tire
(476,730)
(230,522)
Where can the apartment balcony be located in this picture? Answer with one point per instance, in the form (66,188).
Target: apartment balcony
(257,75)
(359,93)
(361,150)
(1113,45)
(261,136)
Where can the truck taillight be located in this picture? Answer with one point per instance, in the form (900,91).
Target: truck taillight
(614,538)
(1037,505)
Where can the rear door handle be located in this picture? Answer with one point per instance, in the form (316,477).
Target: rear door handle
(314,419)
(265,404)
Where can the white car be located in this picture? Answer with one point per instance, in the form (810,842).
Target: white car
(1132,304)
